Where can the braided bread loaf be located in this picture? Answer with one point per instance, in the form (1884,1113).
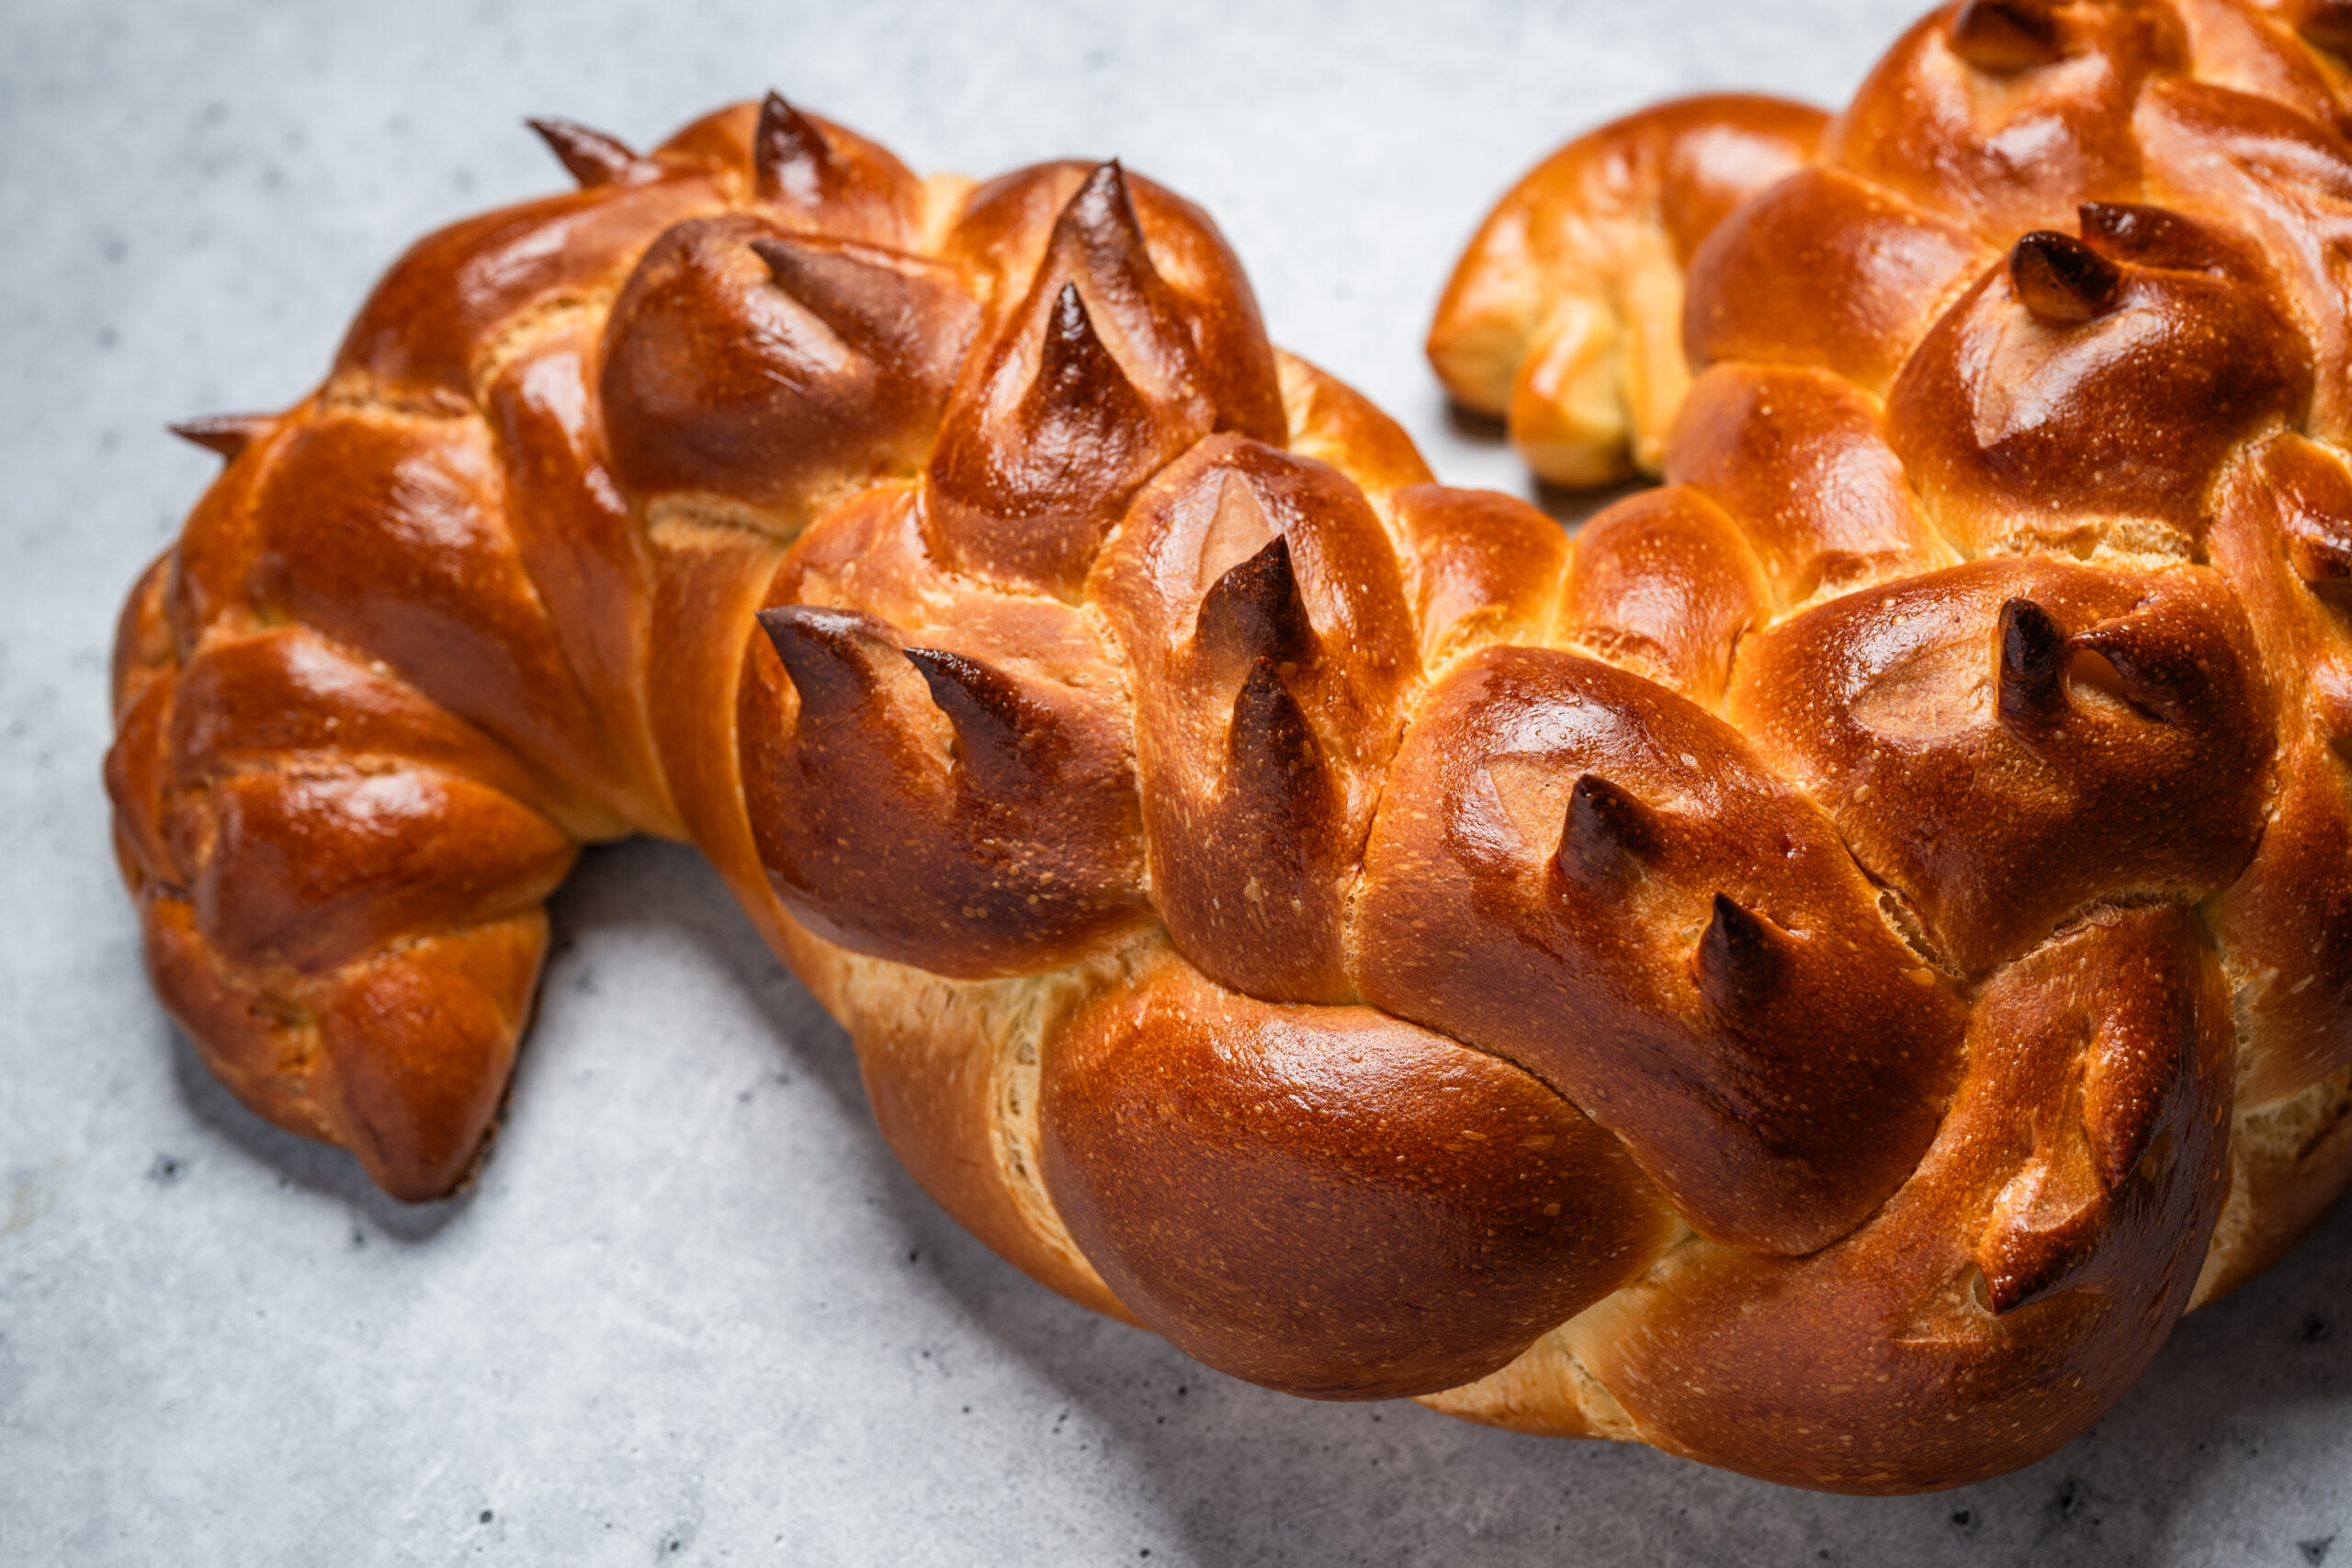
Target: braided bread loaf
(1277,899)
(2004,420)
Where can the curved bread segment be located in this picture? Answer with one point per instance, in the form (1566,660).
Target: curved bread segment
(1967,118)
(1564,315)
(1826,270)
(388,534)
(434,325)
(1258,600)
(952,790)
(756,369)
(1599,881)
(581,548)
(1098,378)
(1665,585)
(402,1057)
(2290,1161)
(2007,417)
(1329,1201)
(952,1071)
(339,885)
(1481,568)
(1011,235)
(807,171)
(1799,458)
(2285,519)
(2280,176)
(2001,778)
(2014,1287)
(1332,422)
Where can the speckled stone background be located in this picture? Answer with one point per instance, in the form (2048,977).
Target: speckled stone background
(693,1312)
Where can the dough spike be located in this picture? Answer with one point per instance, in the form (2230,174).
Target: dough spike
(1075,369)
(2062,280)
(227,433)
(859,300)
(590,156)
(1006,738)
(790,158)
(1254,609)
(1607,829)
(2032,682)
(1100,220)
(2005,36)
(1739,961)
(827,653)
(1271,751)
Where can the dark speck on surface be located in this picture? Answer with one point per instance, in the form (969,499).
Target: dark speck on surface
(487,1516)
(2315,1551)
(166,1169)
(2315,1329)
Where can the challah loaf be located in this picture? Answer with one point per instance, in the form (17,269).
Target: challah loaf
(1772,981)
(2003,418)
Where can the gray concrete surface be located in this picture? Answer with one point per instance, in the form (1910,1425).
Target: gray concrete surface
(693,1312)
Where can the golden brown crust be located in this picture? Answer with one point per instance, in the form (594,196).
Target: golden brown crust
(1596,879)
(1565,314)
(1825,269)
(2025,397)
(1329,1201)
(953,788)
(1801,458)
(1998,781)
(1258,600)
(1887,889)
(2014,1287)
(1665,585)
